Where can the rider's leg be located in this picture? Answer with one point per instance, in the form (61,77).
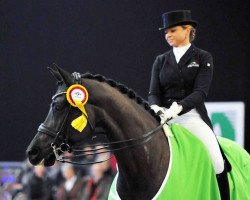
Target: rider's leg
(193,122)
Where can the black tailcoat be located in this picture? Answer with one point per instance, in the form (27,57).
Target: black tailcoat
(187,82)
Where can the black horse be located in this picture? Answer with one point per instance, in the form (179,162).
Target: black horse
(127,121)
(123,115)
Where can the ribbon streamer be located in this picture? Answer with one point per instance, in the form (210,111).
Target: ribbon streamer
(77,96)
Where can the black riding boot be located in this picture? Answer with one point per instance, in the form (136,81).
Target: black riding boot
(223,185)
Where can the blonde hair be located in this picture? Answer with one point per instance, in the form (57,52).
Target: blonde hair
(192,32)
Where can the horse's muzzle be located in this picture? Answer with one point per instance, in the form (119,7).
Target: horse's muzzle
(33,155)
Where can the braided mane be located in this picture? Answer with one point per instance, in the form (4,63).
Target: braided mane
(123,89)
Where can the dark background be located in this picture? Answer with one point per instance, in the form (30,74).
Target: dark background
(116,38)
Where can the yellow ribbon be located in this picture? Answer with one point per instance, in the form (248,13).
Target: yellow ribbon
(80,122)
(77,96)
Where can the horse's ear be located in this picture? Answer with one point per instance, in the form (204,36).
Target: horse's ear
(55,73)
(66,76)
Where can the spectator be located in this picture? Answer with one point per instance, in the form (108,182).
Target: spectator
(84,170)
(39,186)
(71,188)
(97,187)
(22,179)
(55,174)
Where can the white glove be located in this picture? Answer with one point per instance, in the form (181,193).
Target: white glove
(163,112)
(173,111)
(157,108)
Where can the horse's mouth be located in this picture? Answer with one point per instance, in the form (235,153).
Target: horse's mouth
(37,158)
(49,160)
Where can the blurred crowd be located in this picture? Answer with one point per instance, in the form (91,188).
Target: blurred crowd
(63,181)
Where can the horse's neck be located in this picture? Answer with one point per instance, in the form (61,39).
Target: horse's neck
(141,168)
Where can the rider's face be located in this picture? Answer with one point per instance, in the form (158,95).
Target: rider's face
(177,36)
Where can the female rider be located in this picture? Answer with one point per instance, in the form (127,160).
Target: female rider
(179,85)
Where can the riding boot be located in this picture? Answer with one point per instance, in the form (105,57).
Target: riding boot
(223,185)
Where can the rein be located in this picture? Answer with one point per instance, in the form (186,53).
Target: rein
(64,146)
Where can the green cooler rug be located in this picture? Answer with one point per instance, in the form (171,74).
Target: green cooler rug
(191,175)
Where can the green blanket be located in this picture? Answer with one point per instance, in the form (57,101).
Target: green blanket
(239,177)
(191,175)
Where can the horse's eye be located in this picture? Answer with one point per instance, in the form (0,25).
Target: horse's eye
(58,108)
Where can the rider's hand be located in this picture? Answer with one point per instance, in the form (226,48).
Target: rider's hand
(173,111)
(165,113)
(158,110)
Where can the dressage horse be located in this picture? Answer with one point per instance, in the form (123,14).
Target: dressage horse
(128,122)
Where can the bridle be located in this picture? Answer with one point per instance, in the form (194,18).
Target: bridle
(62,138)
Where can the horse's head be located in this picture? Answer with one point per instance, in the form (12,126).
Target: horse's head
(56,131)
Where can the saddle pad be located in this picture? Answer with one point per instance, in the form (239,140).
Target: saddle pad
(190,175)
(239,177)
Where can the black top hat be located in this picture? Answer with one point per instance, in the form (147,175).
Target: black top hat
(178,17)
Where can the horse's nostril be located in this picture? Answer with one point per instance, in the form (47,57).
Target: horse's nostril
(33,152)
